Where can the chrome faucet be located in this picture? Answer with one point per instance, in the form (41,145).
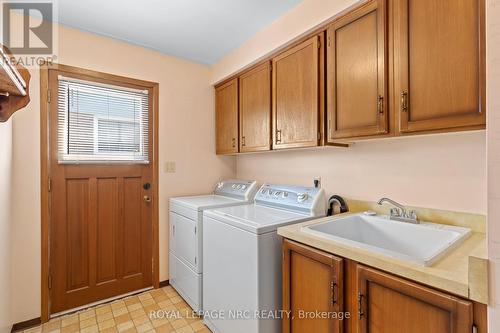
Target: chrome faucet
(400,212)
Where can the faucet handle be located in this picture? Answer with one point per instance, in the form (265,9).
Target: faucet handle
(413,215)
(395,211)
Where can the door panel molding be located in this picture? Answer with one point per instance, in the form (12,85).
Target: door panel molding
(106,181)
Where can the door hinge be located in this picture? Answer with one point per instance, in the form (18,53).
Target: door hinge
(49,184)
(474,329)
(329,41)
(319,43)
(49,96)
(195,260)
(319,135)
(49,282)
(195,230)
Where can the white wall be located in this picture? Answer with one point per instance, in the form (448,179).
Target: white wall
(5,225)
(493,95)
(440,171)
(186,130)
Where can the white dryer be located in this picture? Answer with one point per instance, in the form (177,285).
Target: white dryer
(186,230)
(242,257)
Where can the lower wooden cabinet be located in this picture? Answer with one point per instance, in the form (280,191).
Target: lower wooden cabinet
(390,304)
(359,299)
(312,282)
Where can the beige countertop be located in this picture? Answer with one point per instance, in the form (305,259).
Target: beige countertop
(462,272)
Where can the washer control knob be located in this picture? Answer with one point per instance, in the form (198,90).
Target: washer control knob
(263,191)
(238,186)
(233,186)
(270,192)
(301,197)
(219,185)
(284,195)
(243,187)
(277,193)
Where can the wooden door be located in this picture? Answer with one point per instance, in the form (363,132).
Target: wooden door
(255,109)
(296,96)
(312,281)
(388,304)
(439,62)
(226,117)
(101,218)
(356,77)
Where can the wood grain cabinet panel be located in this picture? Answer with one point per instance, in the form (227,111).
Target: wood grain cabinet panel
(312,281)
(389,304)
(439,64)
(356,73)
(255,109)
(226,117)
(296,96)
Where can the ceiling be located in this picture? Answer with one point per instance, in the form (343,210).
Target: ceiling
(198,30)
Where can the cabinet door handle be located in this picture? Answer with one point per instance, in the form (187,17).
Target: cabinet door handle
(380,104)
(234,142)
(278,135)
(333,287)
(404,101)
(360,305)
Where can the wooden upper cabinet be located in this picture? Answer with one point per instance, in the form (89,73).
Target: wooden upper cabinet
(296,96)
(255,109)
(226,117)
(356,73)
(390,304)
(439,56)
(312,281)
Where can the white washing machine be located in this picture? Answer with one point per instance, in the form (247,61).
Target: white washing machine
(186,230)
(242,257)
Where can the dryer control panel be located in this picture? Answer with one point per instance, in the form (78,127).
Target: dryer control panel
(303,199)
(240,189)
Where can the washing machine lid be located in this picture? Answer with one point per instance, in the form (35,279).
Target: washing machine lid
(202,202)
(254,218)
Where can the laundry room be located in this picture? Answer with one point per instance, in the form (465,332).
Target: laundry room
(249,166)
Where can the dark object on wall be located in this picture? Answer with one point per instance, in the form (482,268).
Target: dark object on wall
(337,199)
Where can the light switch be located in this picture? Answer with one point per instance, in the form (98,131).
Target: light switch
(169,167)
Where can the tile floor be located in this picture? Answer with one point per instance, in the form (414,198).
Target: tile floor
(131,314)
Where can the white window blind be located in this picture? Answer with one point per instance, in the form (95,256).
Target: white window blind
(100,123)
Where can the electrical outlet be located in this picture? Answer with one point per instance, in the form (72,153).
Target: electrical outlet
(169,167)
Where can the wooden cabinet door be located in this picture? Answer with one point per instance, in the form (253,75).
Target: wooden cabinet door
(439,64)
(356,77)
(296,96)
(312,281)
(387,304)
(226,117)
(255,109)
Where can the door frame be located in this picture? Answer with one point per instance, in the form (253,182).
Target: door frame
(45,96)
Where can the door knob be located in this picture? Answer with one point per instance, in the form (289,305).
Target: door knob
(146,186)
(147,198)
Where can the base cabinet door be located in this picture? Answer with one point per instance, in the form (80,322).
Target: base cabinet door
(388,304)
(226,117)
(312,285)
(439,63)
(356,73)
